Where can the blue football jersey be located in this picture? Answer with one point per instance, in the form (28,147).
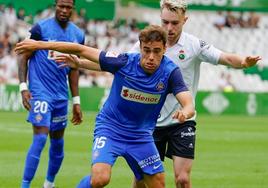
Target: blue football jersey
(136,98)
(46,80)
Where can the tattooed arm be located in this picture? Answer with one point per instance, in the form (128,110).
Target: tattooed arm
(22,72)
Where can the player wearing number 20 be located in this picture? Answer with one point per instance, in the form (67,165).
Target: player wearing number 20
(47,97)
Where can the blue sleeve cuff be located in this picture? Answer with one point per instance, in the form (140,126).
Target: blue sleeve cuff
(36,33)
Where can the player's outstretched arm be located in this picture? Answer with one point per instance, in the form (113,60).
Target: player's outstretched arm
(187,111)
(74,62)
(89,53)
(237,61)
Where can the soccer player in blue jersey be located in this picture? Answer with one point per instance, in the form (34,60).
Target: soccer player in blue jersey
(47,97)
(126,122)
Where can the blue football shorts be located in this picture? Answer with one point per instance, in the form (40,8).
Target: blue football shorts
(53,114)
(142,157)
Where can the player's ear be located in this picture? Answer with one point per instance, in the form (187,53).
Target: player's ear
(185,19)
(140,45)
(164,49)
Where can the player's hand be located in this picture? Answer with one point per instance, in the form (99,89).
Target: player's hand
(26,46)
(68,60)
(26,96)
(180,115)
(77,115)
(250,61)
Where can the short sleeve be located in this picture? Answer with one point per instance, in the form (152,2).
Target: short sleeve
(209,53)
(111,61)
(83,40)
(36,32)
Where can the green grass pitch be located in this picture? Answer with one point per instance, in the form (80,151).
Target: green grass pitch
(231,152)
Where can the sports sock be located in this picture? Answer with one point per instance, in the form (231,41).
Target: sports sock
(25,184)
(56,155)
(85,182)
(32,159)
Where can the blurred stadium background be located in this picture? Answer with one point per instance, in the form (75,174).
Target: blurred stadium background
(232,104)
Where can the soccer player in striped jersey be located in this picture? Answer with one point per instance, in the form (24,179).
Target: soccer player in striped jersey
(125,124)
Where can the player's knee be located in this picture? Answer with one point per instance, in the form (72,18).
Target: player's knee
(161,180)
(138,184)
(101,174)
(158,181)
(100,180)
(56,146)
(182,179)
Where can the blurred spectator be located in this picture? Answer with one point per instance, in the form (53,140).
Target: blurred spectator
(133,23)
(6,41)
(11,73)
(225,83)
(21,14)
(103,79)
(86,78)
(10,16)
(3,65)
(48,12)
(23,17)
(38,16)
(242,22)
(91,27)
(134,34)
(253,20)
(101,28)
(123,29)
(2,20)
(112,44)
(29,19)
(80,18)
(230,20)
(219,21)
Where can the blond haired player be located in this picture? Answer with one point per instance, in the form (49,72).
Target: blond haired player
(173,139)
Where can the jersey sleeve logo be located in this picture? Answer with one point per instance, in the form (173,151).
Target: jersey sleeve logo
(138,96)
(202,43)
(112,54)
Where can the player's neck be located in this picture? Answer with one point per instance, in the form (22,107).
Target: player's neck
(171,43)
(63,25)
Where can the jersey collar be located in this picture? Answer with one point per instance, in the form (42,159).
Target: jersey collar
(181,41)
